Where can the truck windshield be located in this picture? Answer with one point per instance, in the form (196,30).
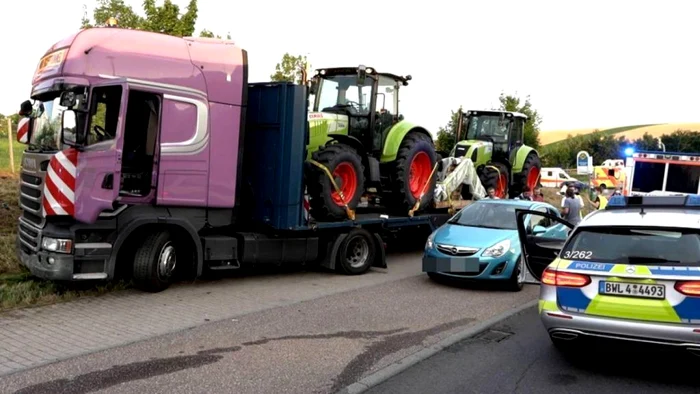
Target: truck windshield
(47,123)
(637,245)
(488,126)
(344,92)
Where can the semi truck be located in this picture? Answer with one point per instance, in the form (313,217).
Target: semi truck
(151,157)
(659,173)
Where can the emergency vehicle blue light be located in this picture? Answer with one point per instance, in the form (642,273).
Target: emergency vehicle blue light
(693,200)
(629,151)
(617,201)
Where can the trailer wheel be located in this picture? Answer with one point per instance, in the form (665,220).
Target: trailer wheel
(356,253)
(155,262)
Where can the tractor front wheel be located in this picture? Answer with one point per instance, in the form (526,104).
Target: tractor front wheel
(495,175)
(412,173)
(343,162)
(529,176)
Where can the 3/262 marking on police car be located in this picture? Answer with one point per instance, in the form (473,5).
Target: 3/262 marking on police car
(637,290)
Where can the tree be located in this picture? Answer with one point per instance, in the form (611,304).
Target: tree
(290,68)
(646,142)
(3,124)
(532,126)
(446,136)
(165,19)
(209,34)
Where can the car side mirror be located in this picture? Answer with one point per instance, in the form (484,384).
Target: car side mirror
(69,128)
(537,230)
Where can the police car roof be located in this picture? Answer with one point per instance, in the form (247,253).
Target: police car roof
(679,217)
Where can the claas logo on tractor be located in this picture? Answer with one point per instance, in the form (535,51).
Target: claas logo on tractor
(493,141)
(361,144)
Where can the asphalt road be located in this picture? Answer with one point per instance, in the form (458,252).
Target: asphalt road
(312,343)
(516,356)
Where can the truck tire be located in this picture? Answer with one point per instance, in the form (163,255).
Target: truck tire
(347,169)
(412,170)
(155,262)
(529,176)
(496,175)
(356,253)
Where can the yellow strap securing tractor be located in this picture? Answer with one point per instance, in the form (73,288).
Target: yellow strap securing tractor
(348,211)
(422,193)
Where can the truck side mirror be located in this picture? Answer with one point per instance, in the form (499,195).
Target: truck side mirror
(69,127)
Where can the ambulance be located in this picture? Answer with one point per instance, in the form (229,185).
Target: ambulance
(659,173)
(609,175)
(554,177)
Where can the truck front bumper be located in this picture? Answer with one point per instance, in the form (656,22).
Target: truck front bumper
(64,267)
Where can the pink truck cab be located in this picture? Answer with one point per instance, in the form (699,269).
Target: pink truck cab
(134,165)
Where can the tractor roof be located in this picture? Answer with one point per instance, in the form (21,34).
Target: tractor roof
(494,112)
(353,70)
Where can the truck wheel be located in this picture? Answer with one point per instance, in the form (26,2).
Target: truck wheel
(529,176)
(155,262)
(356,253)
(346,166)
(412,169)
(495,175)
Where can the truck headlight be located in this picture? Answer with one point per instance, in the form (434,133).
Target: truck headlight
(57,245)
(429,244)
(498,249)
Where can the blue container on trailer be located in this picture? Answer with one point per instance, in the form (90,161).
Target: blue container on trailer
(276,136)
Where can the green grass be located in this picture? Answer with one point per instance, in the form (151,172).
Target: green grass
(5,155)
(613,131)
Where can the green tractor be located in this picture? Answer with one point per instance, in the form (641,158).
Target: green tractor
(359,136)
(494,143)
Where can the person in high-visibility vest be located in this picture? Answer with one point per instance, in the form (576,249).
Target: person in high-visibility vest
(600,200)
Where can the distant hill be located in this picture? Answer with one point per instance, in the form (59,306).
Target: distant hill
(630,132)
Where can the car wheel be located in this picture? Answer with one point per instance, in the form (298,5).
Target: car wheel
(517,277)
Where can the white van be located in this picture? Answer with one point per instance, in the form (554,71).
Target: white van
(554,176)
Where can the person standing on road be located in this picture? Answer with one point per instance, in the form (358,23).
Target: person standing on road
(537,195)
(600,200)
(571,208)
(491,194)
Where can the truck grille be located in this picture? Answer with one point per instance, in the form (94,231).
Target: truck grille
(30,198)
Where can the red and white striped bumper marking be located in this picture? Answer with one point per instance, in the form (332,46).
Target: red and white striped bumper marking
(59,186)
(23,131)
(307,207)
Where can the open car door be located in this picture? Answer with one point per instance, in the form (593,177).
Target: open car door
(542,236)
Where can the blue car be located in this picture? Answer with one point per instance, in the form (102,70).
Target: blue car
(481,242)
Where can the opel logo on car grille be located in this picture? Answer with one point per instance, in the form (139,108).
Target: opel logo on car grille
(454,250)
(630,269)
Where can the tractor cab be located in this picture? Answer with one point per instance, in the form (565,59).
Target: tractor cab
(366,101)
(503,130)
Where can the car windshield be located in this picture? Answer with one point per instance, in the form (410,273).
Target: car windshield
(488,126)
(638,245)
(487,215)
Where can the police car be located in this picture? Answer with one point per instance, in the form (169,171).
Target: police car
(630,272)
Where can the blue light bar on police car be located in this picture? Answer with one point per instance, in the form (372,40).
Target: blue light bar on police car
(618,202)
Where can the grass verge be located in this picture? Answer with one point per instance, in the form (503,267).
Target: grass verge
(17,287)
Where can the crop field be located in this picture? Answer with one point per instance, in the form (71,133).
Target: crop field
(629,132)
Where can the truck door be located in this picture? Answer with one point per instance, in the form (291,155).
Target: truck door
(542,236)
(99,161)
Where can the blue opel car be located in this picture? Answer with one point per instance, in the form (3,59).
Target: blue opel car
(481,242)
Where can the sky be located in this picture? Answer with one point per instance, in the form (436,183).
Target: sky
(584,64)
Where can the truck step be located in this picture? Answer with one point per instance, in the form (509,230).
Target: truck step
(229,265)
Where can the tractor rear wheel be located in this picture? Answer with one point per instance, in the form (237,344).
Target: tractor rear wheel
(345,164)
(412,173)
(528,176)
(496,175)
